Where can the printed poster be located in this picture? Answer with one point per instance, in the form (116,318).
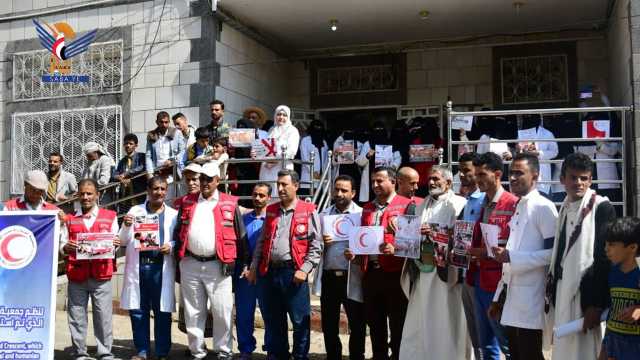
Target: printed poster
(340,226)
(345,152)
(594,129)
(531,133)
(384,155)
(408,236)
(28,255)
(366,240)
(95,246)
(440,239)
(422,153)
(241,137)
(490,235)
(462,235)
(146,232)
(264,148)
(462,122)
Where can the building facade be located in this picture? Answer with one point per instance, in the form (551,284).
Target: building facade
(178,55)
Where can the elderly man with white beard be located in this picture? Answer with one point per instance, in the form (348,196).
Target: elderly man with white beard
(435,323)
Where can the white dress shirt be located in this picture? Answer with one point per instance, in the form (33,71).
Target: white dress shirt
(202,239)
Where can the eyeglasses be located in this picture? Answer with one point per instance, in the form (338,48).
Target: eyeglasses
(204,178)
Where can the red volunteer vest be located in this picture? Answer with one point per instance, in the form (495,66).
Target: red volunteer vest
(398,206)
(490,271)
(298,233)
(99,269)
(224,217)
(16,204)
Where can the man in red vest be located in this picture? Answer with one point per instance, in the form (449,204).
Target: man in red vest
(289,248)
(484,272)
(384,299)
(35,188)
(90,278)
(209,225)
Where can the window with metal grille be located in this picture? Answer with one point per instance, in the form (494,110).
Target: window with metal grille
(35,135)
(102,63)
(534,79)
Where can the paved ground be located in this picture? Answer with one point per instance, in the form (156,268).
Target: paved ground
(123,344)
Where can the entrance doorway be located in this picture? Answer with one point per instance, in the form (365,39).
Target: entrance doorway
(357,120)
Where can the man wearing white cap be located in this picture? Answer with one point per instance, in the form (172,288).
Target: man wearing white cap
(206,257)
(35,187)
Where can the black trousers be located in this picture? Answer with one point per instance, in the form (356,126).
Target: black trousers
(384,300)
(524,344)
(334,294)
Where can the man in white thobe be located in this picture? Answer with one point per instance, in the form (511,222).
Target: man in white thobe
(435,323)
(577,285)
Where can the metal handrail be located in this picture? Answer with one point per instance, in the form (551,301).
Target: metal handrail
(323,177)
(472,142)
(621,139)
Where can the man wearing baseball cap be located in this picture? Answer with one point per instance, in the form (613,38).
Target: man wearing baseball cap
(206,256)
(35,188)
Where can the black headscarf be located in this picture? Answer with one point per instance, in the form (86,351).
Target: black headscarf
(317,133)
(378,135)
(399,137)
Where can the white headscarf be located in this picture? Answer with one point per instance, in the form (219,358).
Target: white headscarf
(278,131)
(93,147)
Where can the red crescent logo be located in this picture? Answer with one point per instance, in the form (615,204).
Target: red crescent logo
(4,247)
(361,240)
(17,247)
(338,227)
(593,131)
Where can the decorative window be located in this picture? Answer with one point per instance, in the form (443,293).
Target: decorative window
(534,79)
(357,79)
(35,135)
(101,67)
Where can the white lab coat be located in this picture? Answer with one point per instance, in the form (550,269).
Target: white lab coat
(533,221)
(363,162)
(547,150)
(319,162)
(607,171)
(289,136)
(130,297)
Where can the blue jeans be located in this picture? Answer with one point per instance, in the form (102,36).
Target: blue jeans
(246,296)
(621,347)
(282,297)
(490,333)
(150,288)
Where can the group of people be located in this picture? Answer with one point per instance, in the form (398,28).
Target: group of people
(547,269)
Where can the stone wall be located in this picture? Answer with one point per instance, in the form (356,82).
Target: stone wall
(250,74)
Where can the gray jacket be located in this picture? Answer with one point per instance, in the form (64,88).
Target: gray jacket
(67,185)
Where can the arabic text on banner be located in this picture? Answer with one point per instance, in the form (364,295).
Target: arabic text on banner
(28,255)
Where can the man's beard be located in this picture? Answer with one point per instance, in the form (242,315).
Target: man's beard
(435,192)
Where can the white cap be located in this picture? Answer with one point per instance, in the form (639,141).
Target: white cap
(196,168)
(210,169)
(37,179)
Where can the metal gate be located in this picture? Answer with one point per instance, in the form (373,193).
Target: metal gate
(620,162)
(35,135)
